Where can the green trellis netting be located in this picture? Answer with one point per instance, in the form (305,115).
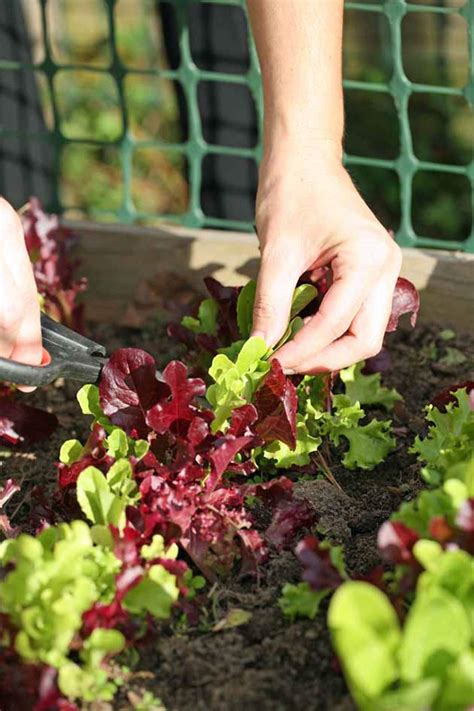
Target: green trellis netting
(407,165)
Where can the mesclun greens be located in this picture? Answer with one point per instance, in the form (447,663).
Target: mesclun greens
(426,663)
(428,660)
(450,437)
(166,472)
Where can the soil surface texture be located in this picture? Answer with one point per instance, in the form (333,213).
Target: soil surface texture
(269,663)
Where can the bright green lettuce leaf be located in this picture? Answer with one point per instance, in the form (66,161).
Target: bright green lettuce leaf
(417,696)
(206,322)
(155,593)
(158,549)
(450,438)
(312,394)
(435,633)
(366,634)
(56,578)
(301,601)
(367,389)
(103,499)
(302,296)
(117,443)
(88,399)
(245,304)
(284,457)
(71,451)
(418,514)
(89,680)
(295,325)
(456,693)
(232,351)
(368,444)
(236,382)
(138,448)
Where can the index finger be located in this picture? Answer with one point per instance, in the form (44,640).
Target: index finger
(337,311)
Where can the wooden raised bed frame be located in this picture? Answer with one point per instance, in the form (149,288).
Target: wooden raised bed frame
(130,269)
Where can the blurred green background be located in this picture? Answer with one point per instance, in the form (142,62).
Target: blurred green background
(86,108)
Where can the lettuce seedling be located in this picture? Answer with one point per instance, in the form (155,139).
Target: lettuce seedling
(449,440)
(367,389)
(368,445)
(300,601)
(426,664)
(236,382)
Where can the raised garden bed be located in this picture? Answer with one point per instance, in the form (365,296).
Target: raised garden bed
(237,649)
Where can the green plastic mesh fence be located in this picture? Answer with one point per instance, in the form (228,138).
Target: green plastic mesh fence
(102,118)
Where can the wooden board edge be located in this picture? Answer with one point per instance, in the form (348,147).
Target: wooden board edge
(131,269)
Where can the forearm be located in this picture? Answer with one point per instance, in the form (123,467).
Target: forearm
(300,50)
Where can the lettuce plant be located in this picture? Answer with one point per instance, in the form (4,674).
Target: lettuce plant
(426,663)
(450,437)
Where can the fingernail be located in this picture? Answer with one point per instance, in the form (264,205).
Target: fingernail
(259,334)
(288,371)
(26,388)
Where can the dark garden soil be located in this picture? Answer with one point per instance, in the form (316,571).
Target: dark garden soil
(267,663)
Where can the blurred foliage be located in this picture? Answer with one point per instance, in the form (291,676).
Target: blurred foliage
(91,109)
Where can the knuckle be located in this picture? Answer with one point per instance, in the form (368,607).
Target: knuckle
(264,309)
(336,327)
(373,346)
(10,320)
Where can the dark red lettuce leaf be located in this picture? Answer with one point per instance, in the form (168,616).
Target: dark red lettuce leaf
(7,490)
(406,300)
(288,519)
(49,246)
(94,454)
(395,543)
(271,492)
(129,388)
(276,402)
(318,569)
(224,454)
(177,408)
(226,297)
(242,420)
(380,363)
(21,423)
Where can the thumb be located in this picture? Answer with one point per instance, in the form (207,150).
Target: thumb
(275,286)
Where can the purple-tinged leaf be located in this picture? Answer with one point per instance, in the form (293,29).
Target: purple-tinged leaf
(318,569)
(129,388)
(395,542)
(276,402)
(380,363)
(288,519)
(223,455)
(242,420)
(21,423)
(7,490)
(177,407)
(271,492)
(406,300)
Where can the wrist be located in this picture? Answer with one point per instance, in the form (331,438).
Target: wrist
(289,137)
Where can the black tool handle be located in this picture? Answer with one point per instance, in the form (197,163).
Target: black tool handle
(72,356)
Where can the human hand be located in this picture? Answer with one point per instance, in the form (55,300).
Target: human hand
(309,215)
(20,329)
